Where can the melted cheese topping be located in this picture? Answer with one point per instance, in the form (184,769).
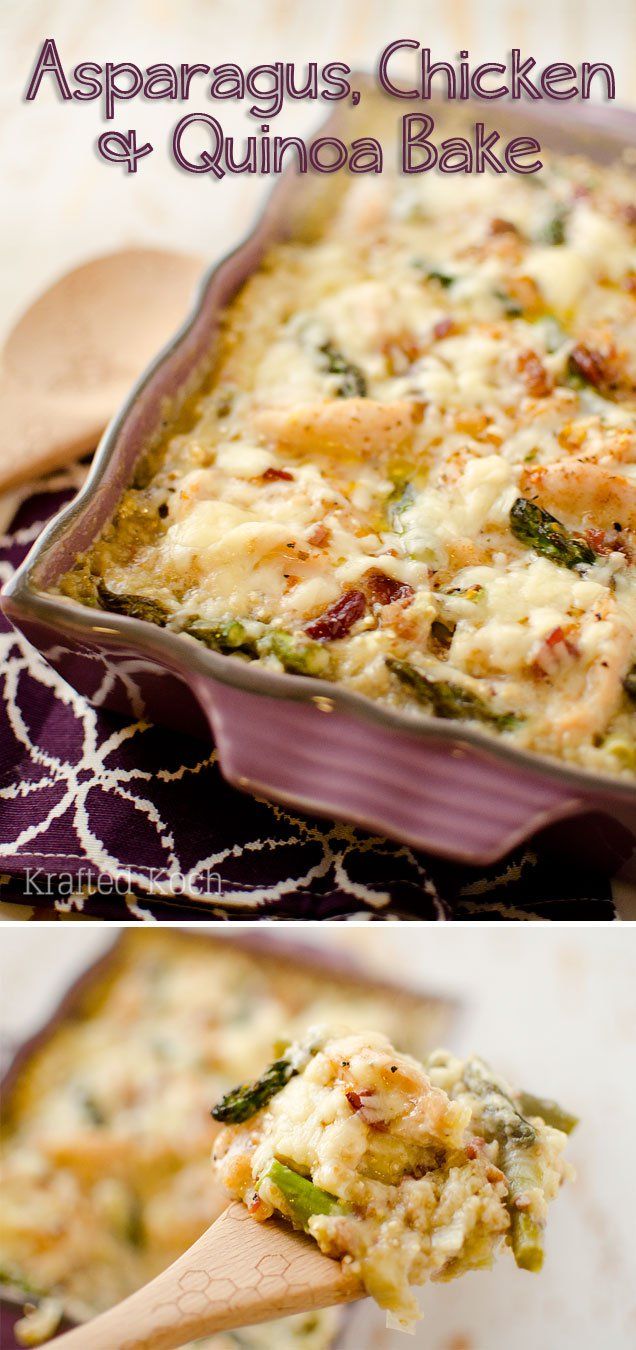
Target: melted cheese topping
(380,399)
(405,1152)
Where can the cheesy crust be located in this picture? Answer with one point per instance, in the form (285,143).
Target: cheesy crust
(412,467)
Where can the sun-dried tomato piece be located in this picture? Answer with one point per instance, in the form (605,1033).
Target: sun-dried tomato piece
(607,541)
(556,649)
(383,590)
(354,1100)
(590,364)
(273,475)
(339,618)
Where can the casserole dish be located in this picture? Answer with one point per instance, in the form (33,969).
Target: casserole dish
(450,789)
(106,1138)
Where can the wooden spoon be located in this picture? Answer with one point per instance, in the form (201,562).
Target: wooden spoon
(239,1273)
(72,357)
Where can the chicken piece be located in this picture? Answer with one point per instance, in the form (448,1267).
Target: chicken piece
(582,491)
(588,701)
(355,426)
(591,440)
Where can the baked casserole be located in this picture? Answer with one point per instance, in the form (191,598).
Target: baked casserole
(411,467)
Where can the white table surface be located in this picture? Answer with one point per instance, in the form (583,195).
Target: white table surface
(555,1007)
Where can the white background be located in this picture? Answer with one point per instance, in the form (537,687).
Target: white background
(553,1007)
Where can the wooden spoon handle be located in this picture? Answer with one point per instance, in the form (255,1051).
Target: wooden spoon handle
(239,1273)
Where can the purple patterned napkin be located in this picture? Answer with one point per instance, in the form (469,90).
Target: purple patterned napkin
(115,819)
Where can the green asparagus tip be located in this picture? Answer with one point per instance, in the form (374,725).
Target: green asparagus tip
(352,382)
(448,700)
(222,637)
(132,606)
(537,529)
(244,1101)
(550,1112)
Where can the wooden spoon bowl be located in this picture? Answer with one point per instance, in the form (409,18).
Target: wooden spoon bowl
(71,358)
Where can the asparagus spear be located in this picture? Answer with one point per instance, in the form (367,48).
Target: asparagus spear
(499,1116)
(302,1199)
(502,1121)
(510,305)
(448,700)
(444,278)
(222,637)
(548,1110)
(242,1102)
(135,606)
(352,382)
(298,656)
(523,1173)
(399,500)
(554,230)
(539,530)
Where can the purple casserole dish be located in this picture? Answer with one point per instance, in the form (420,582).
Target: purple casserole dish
(304,742)
(436,1013)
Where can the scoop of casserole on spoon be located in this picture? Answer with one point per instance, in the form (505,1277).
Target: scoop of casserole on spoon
(403,1172)
(374,1173)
